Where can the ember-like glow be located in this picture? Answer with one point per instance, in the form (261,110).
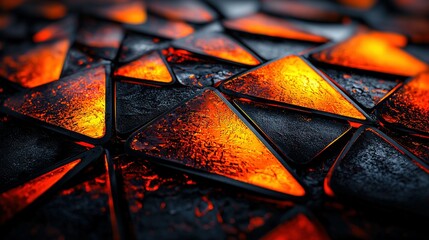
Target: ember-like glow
(185,10)
(409,106)
(372,52)
(297,228)
(51,10)
(205,134)
(362,4)
(130,13)
(292,81)
(164,28)
(100,35)
(149,67)
(55,30)
(270,26)
(36,66)
(16,199)
(218,45)
(76,103)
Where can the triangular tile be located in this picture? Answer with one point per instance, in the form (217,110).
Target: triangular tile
(217,45)
(299,136)
(163,28)
(135,45)
(132,12)
(409,106)
(16,199)
(263,24)
(35,66)
(366,88)
(373,169)
(192,70)
(290,80)
(150,67)
(372,52)
(205,136)
(56,30)
(184,10)
(137,104)
(76,103)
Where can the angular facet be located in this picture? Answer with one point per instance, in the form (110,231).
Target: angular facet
(218,45)
(365,88)
(372,52)
(409,106)
(137,104)
(150,67)
(133,12)
(76,103)
(35,66)
(135,45)
(163,28)
(263,24)
(298,226)
(299,136)
(375,170)
(56,30)
(205,136)
(192,70)
(290,80)
(184,10)
(15,199)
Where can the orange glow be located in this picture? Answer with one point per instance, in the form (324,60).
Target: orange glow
(270,26)
(76,103)
(16,199)
(292,81)
(165,28)
(219,45)
(149,67)
(54,31)
(36,66)
(51,10)
(131,13)
(9,5)
(101,35)
(372,52)
(297,228)
(205,134)
(410,105)
(362,4)
(185,10)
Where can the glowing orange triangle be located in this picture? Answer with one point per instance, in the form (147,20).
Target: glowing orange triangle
(149,67)
(217,45)
(270,26)
(291,80)
(16,199)
(76,103)
(373,51)
(36,66)
(206,135)
(129,12)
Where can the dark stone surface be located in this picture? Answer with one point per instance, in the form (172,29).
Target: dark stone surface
(366,89)
(299,136)
(135,45)
(77,60)
(192,70)
(137,104)
(28,150)
(270,48)
(375,172)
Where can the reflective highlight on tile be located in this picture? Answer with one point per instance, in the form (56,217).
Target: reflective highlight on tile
(372,52)
(76,103)
(270,26)
(291,80)
(409,106)
(217,45)
(14,200)
(150,67)
(35,66)
(163,28)
(192,70)
(217,142)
